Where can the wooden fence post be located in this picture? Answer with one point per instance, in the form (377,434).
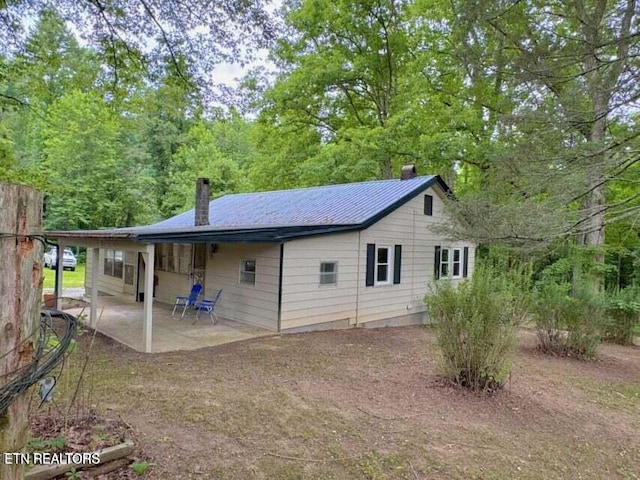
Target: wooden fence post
(20,299)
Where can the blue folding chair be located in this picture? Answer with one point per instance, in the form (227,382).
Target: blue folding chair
(207,306)
(187,302)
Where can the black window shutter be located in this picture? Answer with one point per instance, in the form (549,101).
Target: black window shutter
(428,205)
(371,263)
(436,263)
(397,264)
(465,262)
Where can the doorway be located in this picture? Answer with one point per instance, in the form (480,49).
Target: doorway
(140,280)
(199,264)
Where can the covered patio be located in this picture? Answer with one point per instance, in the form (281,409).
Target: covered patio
(93,241)
(121,318)
(126,313)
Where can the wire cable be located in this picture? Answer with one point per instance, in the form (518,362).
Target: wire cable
(45,359)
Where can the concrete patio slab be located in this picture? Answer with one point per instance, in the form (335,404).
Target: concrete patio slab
(121,319)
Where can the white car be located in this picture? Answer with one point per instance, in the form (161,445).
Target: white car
(68,259)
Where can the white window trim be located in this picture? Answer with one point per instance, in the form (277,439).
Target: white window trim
(460,262)
(112,274)
(450,262)
(447,263)
(241,271)
(389,280)
(321,273)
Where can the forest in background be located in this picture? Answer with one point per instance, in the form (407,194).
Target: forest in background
(528,109)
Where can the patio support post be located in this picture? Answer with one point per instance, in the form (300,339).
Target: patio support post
(59,270)
(95,260)
(147,323)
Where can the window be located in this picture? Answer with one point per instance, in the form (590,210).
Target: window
(328,273)
(184,259)
(451,263)
(456,263)
(248,272)
(173,257)
(129,267)
(428,205)
(444,263)
(383,265)
(159,255)
(113,263)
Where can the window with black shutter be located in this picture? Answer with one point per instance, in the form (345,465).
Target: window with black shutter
(428,205)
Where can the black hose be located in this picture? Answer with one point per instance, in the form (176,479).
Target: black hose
(45,360)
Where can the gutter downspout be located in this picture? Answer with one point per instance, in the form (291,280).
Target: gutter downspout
(280,287)
(358,283)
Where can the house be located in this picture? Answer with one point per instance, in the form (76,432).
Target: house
(337,256)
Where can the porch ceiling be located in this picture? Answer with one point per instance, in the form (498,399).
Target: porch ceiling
(96,241)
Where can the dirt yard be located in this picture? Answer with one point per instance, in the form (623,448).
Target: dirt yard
(368,404)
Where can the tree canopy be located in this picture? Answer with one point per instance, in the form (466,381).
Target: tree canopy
(528,109)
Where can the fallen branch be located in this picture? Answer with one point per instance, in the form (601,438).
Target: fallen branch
(45,472)
(378,416)
(106,468)
(413,470)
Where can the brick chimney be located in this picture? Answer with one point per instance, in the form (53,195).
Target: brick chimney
(202,202)
(408,172)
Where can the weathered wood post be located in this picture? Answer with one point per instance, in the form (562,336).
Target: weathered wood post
(20,297)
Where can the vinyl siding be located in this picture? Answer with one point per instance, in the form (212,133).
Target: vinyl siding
(255,304)
(418,234)
(106,283)
(170,285)
(304,300)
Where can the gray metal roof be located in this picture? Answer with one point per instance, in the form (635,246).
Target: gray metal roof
(281,215)
(347,204)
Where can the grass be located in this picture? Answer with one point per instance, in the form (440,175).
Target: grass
(69,279)
(613,395)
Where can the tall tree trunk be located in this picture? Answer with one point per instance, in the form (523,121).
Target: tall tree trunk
(386,168)
(20,297)
(593,203)
(600,89)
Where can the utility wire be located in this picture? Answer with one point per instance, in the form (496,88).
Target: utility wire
(45,359)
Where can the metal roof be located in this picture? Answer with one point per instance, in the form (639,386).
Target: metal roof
(346,204)
(286,214)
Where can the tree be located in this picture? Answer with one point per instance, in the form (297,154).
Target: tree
(21,278)
(90,182)
(169,109)
(199,157)
(148,31)
(346,72)
(570,66)
(51,64)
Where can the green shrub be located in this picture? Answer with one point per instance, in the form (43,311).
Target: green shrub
(585,322)
(550,305)
(475,326)
(623,312)
(568,322)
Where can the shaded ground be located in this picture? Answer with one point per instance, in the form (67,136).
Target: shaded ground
(368,404)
